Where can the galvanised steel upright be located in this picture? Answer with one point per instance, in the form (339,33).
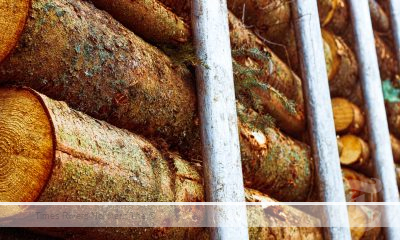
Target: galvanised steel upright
(219,127)
(320,118)
(379,137)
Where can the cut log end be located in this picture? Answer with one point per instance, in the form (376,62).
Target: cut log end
(13,14)
(347,116)
(26,146)
(354,149)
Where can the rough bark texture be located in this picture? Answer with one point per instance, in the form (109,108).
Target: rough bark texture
(386,58)
(96,162)
(91,160)
(70,51)
(395,148)
(277,75)
(271,20)
(393,115)
(149,19)
(334,15)
(380,20)
(267,153)
(256,90)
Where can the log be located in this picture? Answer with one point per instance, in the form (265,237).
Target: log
(395,148)
(98,65)
(286,103)
(393,115)
(360,218)
(358,187)
(104,70)
(51,153)
(387,61)
(342,67)
(356,154)
(362,190)
(11,30)
(139,15)
(334,15)
(267,154)
(340,60)
(271,21)
(249,54)
(347,116)
(380,20)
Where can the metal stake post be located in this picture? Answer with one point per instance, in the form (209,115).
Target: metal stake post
(395,22)
(376,115)
(320,116)
(219,127)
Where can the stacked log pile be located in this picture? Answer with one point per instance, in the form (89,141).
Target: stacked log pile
(128,129)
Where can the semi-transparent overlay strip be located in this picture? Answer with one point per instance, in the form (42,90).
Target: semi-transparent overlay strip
(265,214)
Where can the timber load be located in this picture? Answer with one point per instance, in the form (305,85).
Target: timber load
(100,68)
(71,157)
(97,46)
(98,104)
(61,155)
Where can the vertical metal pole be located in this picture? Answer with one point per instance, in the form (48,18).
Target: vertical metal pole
(376,115)
(217,110)
(395,22)
(320,117)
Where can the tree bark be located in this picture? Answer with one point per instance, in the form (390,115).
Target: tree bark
(272,19)
(334,15)
(149,19)
(274,74)
(278,75)
(70,51)
(395,148)
(91,161)
(267,154)
(393,115)
(380,20)
(386,58)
